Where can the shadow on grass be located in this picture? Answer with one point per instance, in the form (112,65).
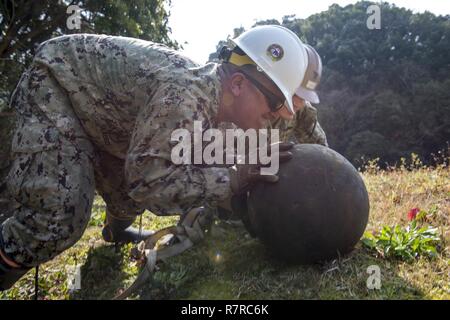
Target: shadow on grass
(230,265)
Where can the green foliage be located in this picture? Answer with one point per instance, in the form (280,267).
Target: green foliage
(404,243)
(98,215)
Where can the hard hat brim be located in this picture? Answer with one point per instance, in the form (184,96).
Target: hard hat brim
(307,95)
(290,103)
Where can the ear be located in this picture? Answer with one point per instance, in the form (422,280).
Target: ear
(237,83)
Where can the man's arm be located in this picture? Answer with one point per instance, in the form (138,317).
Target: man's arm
(308,129)
(153,179)
(304,128)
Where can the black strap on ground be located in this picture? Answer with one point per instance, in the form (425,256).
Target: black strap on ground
(140,226)
(36,283)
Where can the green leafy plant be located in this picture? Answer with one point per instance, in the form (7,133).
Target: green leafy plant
(406,243)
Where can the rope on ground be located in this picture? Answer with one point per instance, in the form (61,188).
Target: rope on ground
(183,236)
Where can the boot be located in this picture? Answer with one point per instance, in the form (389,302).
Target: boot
(119,231)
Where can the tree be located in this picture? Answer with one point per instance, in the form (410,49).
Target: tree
(214,57)
(26,23)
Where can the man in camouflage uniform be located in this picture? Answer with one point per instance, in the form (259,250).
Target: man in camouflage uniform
(96,113)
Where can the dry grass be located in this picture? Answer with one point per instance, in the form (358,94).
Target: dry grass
(231,265)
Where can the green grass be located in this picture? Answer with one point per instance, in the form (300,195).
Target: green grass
(230,264)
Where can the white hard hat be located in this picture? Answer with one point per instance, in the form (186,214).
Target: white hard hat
(307,89)
(278,52)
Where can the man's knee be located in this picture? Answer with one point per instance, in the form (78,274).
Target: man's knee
(53,190)
(32,237)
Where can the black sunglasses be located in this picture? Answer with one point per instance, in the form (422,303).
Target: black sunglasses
(274,101)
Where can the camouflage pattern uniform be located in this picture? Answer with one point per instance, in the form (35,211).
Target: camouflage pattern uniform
(96,113)
(7,121)
(304,128)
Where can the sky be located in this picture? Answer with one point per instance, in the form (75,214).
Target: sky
(189,17)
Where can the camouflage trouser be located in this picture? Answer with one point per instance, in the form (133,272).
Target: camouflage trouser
(53,189)
(7,120)
(53,175)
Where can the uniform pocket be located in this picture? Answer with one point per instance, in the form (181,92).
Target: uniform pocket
(31,139)
(32,136)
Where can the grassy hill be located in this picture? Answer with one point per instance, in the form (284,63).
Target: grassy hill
(232,265)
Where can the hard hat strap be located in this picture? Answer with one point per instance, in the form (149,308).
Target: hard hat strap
(236,57)
(239,60)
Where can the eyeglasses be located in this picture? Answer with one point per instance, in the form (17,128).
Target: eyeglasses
(274,101)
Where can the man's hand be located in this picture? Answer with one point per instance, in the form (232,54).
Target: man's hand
(244,176)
